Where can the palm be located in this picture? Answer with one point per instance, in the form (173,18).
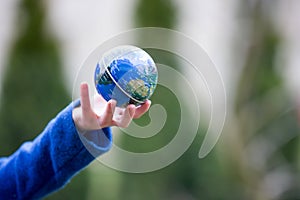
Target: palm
(100,113)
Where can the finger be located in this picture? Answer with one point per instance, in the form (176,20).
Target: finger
(85,98)
(142,109)
(127,116)
(131,110)
(108,113)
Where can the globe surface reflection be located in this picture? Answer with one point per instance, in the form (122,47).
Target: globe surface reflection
(127,74)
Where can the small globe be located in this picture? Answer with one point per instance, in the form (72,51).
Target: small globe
(127,74)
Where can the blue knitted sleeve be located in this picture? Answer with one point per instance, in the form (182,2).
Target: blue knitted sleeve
(46,164)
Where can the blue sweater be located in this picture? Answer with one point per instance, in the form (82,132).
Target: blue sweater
(46,164)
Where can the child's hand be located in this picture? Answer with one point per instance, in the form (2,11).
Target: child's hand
(101,115)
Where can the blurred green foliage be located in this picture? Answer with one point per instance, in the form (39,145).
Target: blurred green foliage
(33,87)
(155,13)
(188,177)
(264,121)
(259,150)
(33,90)
(266,117)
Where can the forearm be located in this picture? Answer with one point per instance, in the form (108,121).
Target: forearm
(47,163)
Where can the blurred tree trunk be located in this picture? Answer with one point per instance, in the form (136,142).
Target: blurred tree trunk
(33,87)
(265,144)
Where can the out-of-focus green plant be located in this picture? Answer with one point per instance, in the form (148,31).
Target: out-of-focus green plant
(156,13)
(264,151)
(261,161)
(188,177)
(33,87)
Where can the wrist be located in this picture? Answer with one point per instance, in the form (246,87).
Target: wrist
(76,115)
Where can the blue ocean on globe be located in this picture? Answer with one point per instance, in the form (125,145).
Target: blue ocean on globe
(127,74)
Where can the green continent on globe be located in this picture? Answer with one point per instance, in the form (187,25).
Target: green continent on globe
(137,89)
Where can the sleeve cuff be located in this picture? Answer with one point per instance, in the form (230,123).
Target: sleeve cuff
(97,142)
